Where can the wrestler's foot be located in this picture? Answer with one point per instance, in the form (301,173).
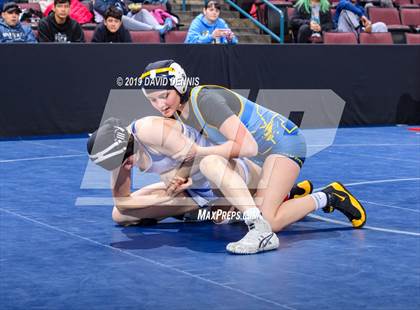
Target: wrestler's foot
(341,199)
(260,238)
(301,189)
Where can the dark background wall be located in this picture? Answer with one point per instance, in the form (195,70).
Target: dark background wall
(55,89)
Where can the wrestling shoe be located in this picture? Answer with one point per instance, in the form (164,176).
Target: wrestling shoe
(341,199)
(301,189)
(260,238)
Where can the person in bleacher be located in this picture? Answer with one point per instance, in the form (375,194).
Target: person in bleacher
(134,18)
(59,27)
(382,4)
(208,27)
(112,29)
(350,16)
(310,19)
(11,30)
(78,12)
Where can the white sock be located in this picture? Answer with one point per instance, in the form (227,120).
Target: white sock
(251,215)
(320,199)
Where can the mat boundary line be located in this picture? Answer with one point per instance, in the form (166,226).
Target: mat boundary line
(149,260)
(40,158)
(395,231)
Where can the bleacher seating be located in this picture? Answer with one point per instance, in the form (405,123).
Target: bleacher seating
(339,38)
(176,36)
(290,12)
(89,26)
(389,16)
(272,17)
(145,36)
(88,35)
(412,38)
(401,20)
(410,17)
(33,5)
(151,7)
(376,38)
(402,2)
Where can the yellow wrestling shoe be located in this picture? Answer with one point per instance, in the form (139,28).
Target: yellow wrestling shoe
(301,189)
(341,199)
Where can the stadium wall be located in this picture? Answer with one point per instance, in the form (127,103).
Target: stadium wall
(63,89)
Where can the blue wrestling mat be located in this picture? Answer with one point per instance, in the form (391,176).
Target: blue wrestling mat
(58,253)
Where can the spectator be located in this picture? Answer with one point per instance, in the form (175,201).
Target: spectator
(350,17)
(11,30)
(136,18)
(58,26)
(78,12)
(310,19)
(208,27)
(112,29)
(382,4)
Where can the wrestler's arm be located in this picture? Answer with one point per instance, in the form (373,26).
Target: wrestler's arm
(124,199)
(166,137)
(216,111)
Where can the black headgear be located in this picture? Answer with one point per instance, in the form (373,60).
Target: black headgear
(110,144)
(164,74)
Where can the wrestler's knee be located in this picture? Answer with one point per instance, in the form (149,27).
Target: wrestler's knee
(212,165)
(122,219)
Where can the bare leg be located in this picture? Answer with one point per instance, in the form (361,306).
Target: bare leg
(278,176)
(228,180)
(260,236)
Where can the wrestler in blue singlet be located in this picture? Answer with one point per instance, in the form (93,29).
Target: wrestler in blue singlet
(211,105)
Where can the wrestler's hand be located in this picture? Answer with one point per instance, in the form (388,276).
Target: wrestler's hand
(178,185)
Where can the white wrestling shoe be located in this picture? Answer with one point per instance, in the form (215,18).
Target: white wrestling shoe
(259,238)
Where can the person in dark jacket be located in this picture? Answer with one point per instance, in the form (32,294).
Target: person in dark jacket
(310,19)
(58,26)
(112,29)
(11,30)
